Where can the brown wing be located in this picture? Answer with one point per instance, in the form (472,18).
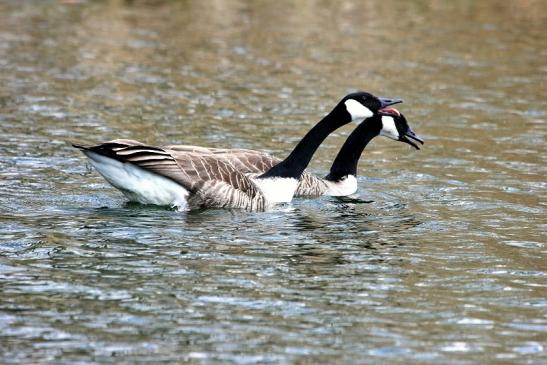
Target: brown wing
(250,161)
(214,180)
(244,160)
(210,180)
(310,186)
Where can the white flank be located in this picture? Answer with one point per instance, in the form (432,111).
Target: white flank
(138,184)
(277,189)
(358,111)
(389,129)
(344,187)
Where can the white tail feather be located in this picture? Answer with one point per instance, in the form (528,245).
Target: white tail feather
(138,184)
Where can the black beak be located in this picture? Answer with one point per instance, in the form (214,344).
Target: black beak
(385,102)
(410,137)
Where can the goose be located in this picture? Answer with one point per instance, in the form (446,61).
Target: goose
(342,178)
(190,178)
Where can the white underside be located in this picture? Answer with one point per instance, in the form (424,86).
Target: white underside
(138,184)
(277,189)
(343,187)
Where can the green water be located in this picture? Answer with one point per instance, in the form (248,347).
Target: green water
(440,260)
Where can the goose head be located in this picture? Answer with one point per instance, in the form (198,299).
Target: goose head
(363,105)
(395,126)
(387,122)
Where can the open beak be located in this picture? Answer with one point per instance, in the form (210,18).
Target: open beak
(390,112)
(410,137)
(385,102)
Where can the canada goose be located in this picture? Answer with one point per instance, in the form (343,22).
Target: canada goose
(341,180)
(191,179)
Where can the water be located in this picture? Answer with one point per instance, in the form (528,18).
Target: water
(441,259)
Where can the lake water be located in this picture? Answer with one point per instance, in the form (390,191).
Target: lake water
(440,260)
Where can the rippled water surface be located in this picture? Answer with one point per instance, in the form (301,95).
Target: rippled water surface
(440,259)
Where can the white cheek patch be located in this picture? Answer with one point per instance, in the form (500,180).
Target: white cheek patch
(389,129)
(358,111)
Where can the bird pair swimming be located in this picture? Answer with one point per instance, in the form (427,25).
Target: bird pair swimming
(190,177)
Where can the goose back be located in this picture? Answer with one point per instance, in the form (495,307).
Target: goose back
(256,162)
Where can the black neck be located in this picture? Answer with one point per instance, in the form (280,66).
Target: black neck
(347,159)
(295,164)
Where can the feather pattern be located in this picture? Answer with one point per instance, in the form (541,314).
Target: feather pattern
(250,161)
(211,182)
